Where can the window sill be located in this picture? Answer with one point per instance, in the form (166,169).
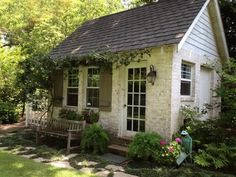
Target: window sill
(187,99)
(70,107)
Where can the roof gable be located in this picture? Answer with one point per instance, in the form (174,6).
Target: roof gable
(160,23)
(206,35)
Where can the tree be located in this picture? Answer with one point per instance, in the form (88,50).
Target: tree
(228,12)
(32,28)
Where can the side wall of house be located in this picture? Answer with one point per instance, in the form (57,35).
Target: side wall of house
(199,50)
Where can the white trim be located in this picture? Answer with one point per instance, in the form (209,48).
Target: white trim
(186,35)
(220,27)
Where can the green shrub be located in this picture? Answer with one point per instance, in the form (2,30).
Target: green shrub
(95,139)
(145,146)
(70,115)
(215,155)
(8,113)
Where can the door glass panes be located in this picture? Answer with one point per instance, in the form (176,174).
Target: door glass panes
(136,99)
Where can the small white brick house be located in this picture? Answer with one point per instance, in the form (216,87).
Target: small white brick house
(182,35)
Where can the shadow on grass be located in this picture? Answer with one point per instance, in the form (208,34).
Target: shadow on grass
(12,166)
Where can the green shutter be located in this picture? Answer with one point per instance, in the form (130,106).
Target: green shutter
(105,92)
(58,88)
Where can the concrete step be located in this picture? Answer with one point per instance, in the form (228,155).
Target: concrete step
(123,141)
(118,149)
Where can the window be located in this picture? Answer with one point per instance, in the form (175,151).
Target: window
(72,87)
(186,79)
(93,81)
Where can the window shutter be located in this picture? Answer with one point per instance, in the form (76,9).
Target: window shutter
(58,88)
(105,92)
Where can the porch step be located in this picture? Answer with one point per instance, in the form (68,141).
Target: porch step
(123,141)
(118,149)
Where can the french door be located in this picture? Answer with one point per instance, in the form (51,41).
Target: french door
(136,100)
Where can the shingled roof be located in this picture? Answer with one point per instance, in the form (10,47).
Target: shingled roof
(160,23)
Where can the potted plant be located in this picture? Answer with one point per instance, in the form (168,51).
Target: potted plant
(70,115)
(90,116)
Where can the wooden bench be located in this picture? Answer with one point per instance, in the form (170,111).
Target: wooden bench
(68,129)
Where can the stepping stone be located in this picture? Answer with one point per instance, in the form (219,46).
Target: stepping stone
(61,164)
(87,163)
(86,170)
(40,159)
(113,158)
(28,155)
(70,156)
(121,174)
(114,168)
(30,148)
(102,173)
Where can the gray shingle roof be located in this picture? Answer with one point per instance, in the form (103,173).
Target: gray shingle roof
(159,23)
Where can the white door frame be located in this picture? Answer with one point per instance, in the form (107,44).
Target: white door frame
(140,64)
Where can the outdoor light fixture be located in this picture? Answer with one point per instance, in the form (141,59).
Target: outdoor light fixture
(151,76)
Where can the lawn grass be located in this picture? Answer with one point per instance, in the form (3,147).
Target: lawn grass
(13,165)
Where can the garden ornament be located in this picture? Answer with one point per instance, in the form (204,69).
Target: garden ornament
(186,148)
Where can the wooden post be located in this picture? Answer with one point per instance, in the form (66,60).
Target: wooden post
(27,115)
(68,142)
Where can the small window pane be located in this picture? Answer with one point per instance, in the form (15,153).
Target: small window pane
(130,98)
(93,77)
(137,73)
(135,125)
(143,73)
(135,112)
(73,78)
(129,112)
(143,100)
(131,74)
(142,126)
(92,97)
(143,86)
(136,99)
(136,86)
(130,86)
(185,71)
(142,113)
(72,99)
(185,88)
(129,124)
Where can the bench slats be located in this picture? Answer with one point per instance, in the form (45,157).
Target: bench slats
(61,127)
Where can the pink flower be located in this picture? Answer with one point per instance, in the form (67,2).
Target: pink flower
(171,149)
(178,140)
(162,142)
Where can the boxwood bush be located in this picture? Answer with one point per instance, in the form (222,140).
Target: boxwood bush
(145,146)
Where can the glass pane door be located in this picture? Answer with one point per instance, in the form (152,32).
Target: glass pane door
(136,99)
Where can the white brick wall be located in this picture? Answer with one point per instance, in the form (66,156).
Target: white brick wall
(163,99)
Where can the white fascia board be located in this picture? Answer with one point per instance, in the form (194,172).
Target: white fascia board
(221,28)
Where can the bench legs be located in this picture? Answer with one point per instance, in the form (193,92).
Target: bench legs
(68,143)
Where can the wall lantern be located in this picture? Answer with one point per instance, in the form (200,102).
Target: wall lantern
(151,76)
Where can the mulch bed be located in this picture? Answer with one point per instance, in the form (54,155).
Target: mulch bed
(8,128)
